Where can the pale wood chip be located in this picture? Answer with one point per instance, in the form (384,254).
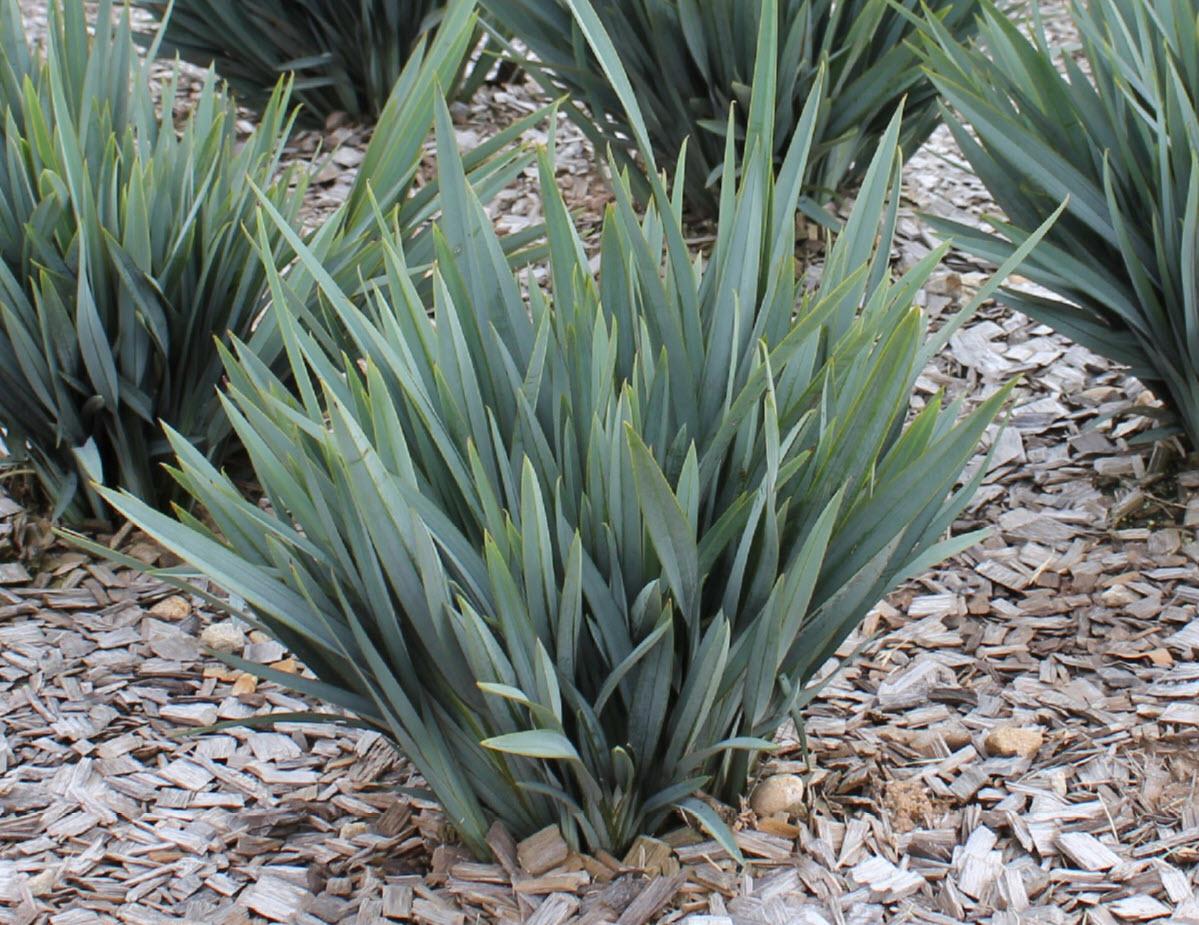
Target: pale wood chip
(397,901)
(556,882)
(650,900)
(542,851)
(190,714)
(554,910)
(885,881)
(275,899)
(1087,851)
(1139,908)
(186,774)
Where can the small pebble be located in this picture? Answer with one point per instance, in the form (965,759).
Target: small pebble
(782,793)
(1009,741)
(224,637)
(173,608)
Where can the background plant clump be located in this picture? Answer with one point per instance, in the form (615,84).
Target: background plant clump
(690,64)
(130,243)
(123,254)
(1116,131)
(344,55)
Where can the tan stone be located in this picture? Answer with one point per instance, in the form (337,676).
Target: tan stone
(224,637)
(1009,741)
(782,793)
(244,685)
(172,608)
(909,804)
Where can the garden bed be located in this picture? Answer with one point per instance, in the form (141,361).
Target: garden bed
(1016,742)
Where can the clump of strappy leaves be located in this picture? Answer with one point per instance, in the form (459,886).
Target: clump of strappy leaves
(344,55)
(1115,130)
(580,552)
(690,65)
(125,252)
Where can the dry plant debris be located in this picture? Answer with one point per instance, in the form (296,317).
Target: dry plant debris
(1018,741)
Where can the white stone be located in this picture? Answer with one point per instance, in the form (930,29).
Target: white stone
(782,793)
(224,637)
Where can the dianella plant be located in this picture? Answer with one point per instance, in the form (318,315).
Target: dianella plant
(344,55)
(580,553)
(127,247)
(122,254)
(690,64)
(1113,127)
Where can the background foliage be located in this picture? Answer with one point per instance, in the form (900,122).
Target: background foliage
(690,61)
(122,254)
(345,55)
(126,250)
(1118,134)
